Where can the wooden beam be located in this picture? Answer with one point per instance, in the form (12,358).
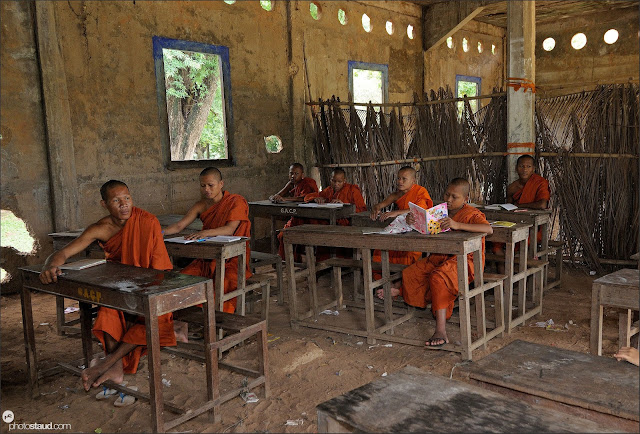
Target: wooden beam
(442,20)
(62,166)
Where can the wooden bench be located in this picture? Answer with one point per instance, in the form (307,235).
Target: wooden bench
(261,259)
(620,290)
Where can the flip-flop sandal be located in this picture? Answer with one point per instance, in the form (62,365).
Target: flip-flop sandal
(124,399)
(108,393)
(432,340)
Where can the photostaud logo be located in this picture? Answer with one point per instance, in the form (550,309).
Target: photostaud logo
(8,416)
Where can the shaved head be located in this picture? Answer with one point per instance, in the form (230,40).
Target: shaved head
(462,184)
(339,171)
(408,170)
(212,171)
(109,185)
(297,166)
(524,158)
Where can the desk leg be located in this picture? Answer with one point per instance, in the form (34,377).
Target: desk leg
(478,279)
(368,294)
(464,306)
(153,358)
(388,301)
(252,230)
(85,330)
(545,247)
(291,281)
(210,356)
(60,315)
(274,236)
(312,279)
(596,321)
(533,235)
(242,281)
(29,341)
(509,259)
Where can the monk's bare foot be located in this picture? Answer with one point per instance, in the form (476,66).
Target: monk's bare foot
(181,330)
(394,292)
(90,374)
(114,373)
(437,340)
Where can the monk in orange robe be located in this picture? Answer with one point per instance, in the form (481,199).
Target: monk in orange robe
(339,192)
(222,213)
(294,191)
(408,191)
(131,236)
(435,279)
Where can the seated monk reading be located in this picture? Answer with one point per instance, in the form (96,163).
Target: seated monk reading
(294,191)
(131,236)
(222,213)
(408,191)
(339,192)
(435,278)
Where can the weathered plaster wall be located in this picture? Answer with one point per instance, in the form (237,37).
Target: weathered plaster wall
(442,64)
(566,70)
(25,179)
(106,48)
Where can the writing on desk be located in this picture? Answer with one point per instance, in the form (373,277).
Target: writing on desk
(288,210)
(91,294)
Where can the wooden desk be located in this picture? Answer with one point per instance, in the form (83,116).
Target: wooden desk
(268,209)
(139,291)
(412,400)
(458,243)
(618,289)
(594,388)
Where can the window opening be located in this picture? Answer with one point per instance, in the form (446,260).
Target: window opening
(342,17)
(389,27)
(465,45)
(366,23)
(266,5)
(450,42)
(548,44)
(578,41)
(469,86)
(611,36)
(315,10)
(368,82)
(410,31)
(273,144)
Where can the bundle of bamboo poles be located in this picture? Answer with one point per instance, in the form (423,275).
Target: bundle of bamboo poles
(586,144)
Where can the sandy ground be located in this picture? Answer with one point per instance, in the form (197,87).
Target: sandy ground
(306,366)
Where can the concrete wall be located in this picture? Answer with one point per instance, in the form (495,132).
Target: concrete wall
(106,48)
(442,64)
(566,70)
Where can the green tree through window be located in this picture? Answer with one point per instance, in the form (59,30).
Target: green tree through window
(468,88)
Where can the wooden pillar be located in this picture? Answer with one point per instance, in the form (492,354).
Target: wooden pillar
(521,31)
(62,166)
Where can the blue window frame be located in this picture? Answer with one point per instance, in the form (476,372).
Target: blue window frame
(371,82)
(215,143)
(470,86)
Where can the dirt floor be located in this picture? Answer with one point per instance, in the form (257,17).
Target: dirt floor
(306,366)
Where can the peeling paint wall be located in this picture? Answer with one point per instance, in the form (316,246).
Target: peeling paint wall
(442,64)
(566,70)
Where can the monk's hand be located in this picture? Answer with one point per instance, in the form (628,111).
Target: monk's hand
(374,213)
(411,219)
(50,274)
(195,236)
(448,223)
(387,215)
(276,198)
(336,201)
(319,200)
(628,354)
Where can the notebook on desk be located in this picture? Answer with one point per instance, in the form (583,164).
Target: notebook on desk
(321,205)
(82,264)
(216,239)
(500,206)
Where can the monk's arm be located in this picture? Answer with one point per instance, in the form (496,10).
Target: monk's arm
(483,228)
(629,354)
(512,189)
(375,210)
(227,229)
(50,270)
(279,196)
(185,221)
(539,204)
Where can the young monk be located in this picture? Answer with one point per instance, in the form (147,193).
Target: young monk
(294,191)
(222,213)
(629,354)
(435,278)
(131,236)
(408,191)
(530,190)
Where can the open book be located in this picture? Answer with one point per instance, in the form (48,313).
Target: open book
(427,220)
(82,264)
(503,224)
(216,239)
(498,206)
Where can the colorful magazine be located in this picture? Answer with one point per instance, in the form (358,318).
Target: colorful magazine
(428,220)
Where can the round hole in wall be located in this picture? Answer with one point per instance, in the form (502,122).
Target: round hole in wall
(611,36)
(465,45)
(410,31)
(267,5)
(493,48)
(480,47)
(273,144)
(366,23)
(315,10)
(389,27)
(450,42)
(548,44)
(578,41)
(229,2)
(342,17)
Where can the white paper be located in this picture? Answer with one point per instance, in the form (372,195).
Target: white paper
(179,240)
(508,206)
(82,264)
(321,205)
(223,239)
(216,239)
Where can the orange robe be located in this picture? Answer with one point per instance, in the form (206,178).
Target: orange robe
(304,187)
(349,193)
(435,278)
(140,244)
(420,196)
(536,188)
(232,207)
